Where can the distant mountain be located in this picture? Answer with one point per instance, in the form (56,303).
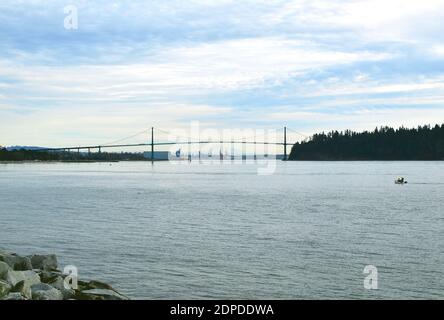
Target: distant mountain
(422,143)
(14,148)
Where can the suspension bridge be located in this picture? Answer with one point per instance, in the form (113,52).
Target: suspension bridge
(152,143)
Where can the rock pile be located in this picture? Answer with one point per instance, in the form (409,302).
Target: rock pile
(37,277)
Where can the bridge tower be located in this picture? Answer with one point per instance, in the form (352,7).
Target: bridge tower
(152,144)
(255,155)
(285,143)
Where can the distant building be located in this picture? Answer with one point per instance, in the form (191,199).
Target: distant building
(158,155)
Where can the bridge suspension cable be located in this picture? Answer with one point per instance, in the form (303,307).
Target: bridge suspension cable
(126,138)
(149,141)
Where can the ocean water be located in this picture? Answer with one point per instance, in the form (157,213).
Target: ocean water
(221,231)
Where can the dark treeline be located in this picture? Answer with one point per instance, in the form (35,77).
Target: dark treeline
(33,155)
(422,143)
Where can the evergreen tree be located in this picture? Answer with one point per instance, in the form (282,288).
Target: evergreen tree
(384,143)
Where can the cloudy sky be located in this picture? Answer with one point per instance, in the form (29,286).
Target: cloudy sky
(311,65)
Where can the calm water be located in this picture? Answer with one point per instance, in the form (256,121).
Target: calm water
(222,231)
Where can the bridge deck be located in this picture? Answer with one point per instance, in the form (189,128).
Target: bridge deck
(160,144)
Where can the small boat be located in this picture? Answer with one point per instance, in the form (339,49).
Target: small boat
(400,180)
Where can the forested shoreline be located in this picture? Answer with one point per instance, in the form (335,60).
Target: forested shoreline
(37,155)
(384,143)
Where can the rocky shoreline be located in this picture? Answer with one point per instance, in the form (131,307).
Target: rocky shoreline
(37,277)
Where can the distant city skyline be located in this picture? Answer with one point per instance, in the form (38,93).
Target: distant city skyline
(129,65)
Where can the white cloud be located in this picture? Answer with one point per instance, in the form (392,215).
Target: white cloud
(142,62)
(93,123)
(372,88)
(369,20)
(363,119)
(438,50)
(216,66)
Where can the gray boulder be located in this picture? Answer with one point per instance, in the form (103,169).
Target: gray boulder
(49,276)
(30,277)
(37,277)
(44,262)
(16,262)
(22,281)
(94,284)
(4,268)
(22,288)
(43,291)
(5,288)
(102,294)
(14,296)
(59,284)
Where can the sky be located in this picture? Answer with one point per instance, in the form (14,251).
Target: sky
(129,65)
